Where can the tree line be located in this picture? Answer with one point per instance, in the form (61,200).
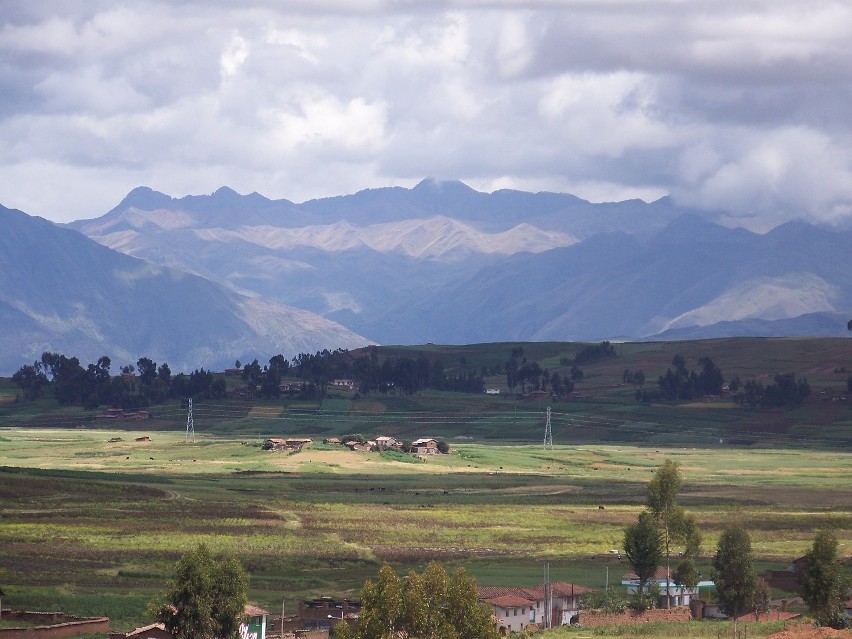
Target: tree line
(664,527)
(146,383)
(682,384)
(70,383)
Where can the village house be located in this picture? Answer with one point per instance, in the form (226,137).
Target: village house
(292,443)
(358,447)
(492,391)
(152,631)
(425,446)
(383,442)
(114,414)
(344,383)
(679,595)
(517,608)
(325,612)
(253,625)
(290,387)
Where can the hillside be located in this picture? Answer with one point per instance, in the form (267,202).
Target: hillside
(60,291)
(602,407)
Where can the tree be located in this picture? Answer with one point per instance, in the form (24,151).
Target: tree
(32,380)
(609,600)
(676,526)
(733,572)
(643,548)
(147,370)
(762,598)
(824,584)
(207,597)
(429,605)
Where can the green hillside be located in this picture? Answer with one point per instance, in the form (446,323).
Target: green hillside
(602,406)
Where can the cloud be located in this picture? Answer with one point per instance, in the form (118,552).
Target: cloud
(742,107)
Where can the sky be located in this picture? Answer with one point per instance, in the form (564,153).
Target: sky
(741,106)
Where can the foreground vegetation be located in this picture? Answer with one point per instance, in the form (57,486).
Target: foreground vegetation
(92,526)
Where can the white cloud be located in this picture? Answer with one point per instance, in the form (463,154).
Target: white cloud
(786,173)
(738,106)
(233,56)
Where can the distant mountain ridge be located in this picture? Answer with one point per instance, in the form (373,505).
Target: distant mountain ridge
(445,263)
(60,291)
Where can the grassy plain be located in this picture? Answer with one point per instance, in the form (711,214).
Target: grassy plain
(84,517)
(91,526)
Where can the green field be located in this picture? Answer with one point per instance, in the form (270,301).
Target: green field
(83,516)
(91,526)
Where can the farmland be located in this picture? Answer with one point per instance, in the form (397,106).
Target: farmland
(93,526)
(83,515)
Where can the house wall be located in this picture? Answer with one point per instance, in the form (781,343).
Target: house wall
(593,618)
(515,619)
(71,626)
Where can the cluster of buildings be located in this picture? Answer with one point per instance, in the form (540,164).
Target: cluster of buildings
(547,605)
(423,446)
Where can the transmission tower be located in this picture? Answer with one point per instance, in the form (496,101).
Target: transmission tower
(190,425)
(548,433)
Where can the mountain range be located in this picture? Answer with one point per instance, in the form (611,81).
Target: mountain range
(440,262)
(61,291)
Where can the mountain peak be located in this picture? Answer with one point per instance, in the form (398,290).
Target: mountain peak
(144,198)
(435,185)
(226,192)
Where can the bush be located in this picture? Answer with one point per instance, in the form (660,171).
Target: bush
(608,600)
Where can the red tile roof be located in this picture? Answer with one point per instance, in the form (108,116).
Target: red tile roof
(509,601)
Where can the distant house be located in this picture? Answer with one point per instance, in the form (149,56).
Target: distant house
(325,612)
(143,438)
(153,631)
(274,443)
(253,625)
(425,447)
(383,442)
(290,387)
(115,414)
(357,446)
(516,608)
(292,443)
(678,595)
(492,391)
(331,440)
(344,383)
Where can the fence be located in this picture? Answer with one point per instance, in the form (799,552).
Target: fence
(52,625)
(592,618)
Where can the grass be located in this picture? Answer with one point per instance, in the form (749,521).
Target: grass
(85,516)
(656,630)
(94,527)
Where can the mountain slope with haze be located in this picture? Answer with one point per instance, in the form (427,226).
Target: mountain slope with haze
(445,263)
(60,291)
